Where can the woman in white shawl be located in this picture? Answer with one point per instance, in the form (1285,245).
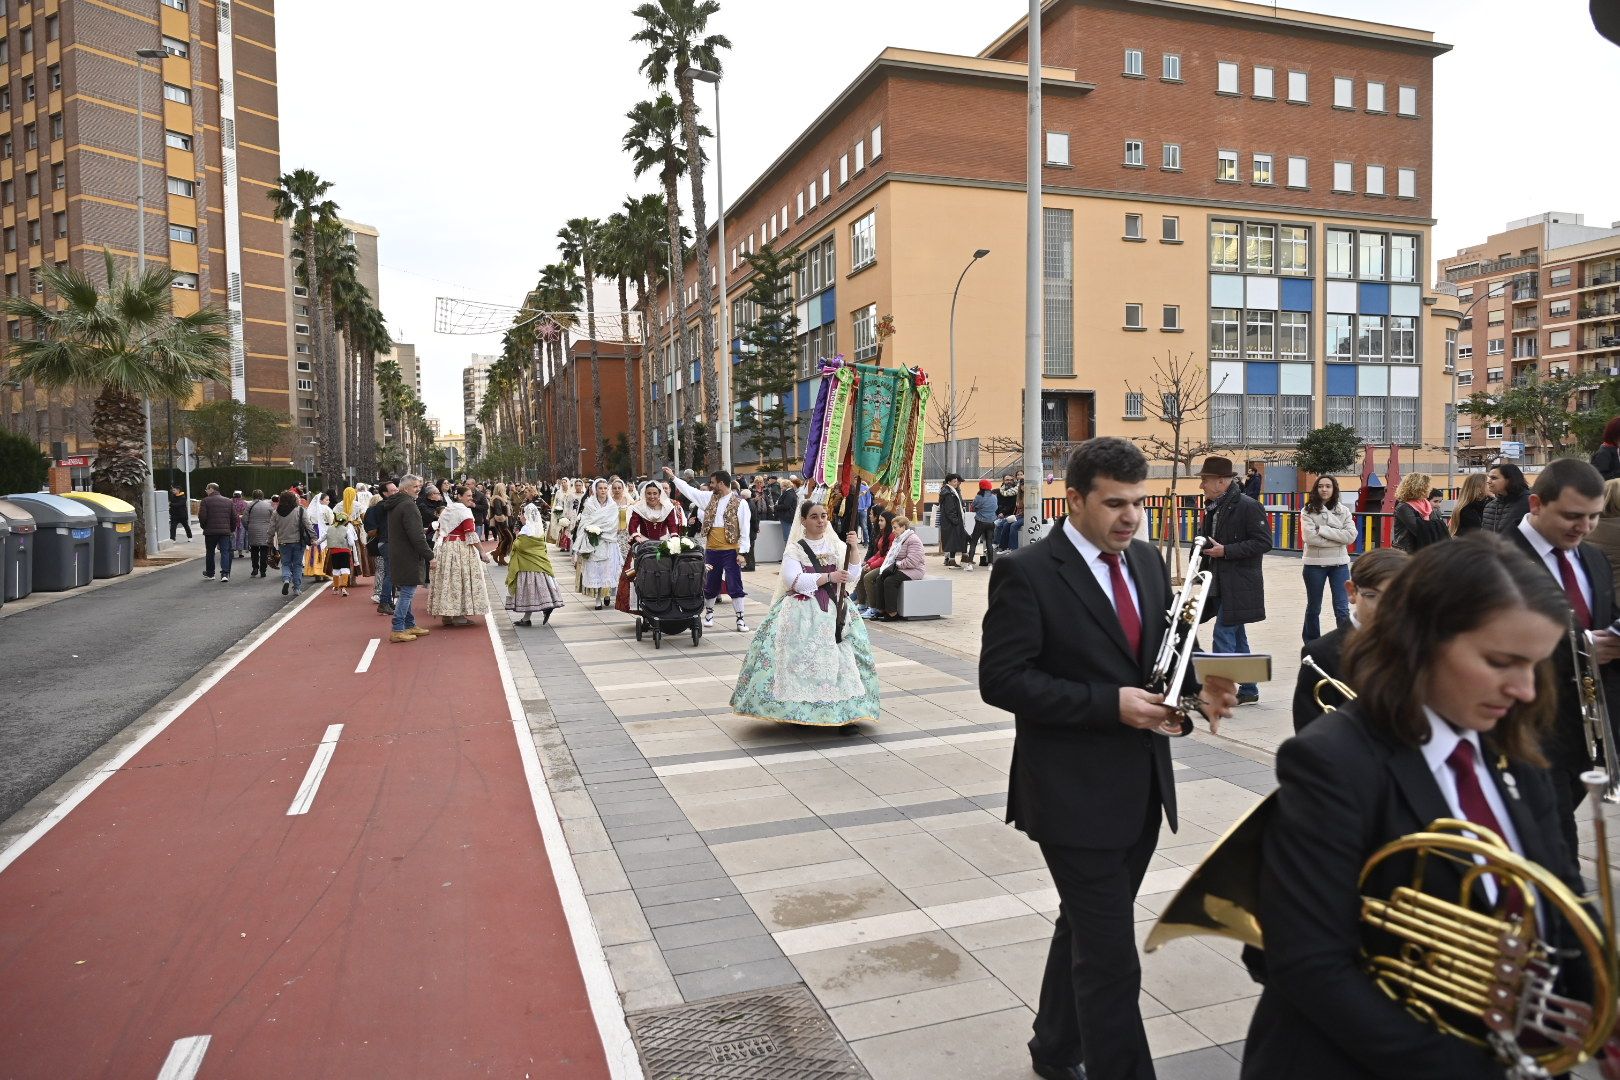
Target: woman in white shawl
(653,517)
(320,519)
(597,545)
(457,590)
(529,584)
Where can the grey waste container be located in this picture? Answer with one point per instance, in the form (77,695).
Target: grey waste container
(17,551)
(63,541)
(114,554)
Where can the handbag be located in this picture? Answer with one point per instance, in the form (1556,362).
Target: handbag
(306,533)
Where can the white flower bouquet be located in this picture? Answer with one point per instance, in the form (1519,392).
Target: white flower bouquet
(672,546)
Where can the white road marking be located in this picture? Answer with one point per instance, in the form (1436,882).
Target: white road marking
(623,1063)
(317,771)
(365,658)
(185,1058)
(158,727)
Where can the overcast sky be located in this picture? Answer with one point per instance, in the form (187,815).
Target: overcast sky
(468,143)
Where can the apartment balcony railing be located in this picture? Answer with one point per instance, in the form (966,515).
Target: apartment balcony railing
(1497,266)
(1526,322)
(1597,311)
(1604,278)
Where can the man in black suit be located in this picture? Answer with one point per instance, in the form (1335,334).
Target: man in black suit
(1565,503)
(1239,538)
(1070,635)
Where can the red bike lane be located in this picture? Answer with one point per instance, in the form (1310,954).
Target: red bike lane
(407,923)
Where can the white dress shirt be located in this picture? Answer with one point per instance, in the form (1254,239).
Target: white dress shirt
(1092,554)
(1443,739)
(1550,556)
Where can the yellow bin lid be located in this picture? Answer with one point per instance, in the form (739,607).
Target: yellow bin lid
(106,502)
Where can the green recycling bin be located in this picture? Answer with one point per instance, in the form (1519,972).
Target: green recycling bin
(114,554)
(17,551)
(64,541)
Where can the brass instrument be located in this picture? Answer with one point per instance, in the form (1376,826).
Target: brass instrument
(1484,976)
(1176,649)
(1326,682)
(1594,709)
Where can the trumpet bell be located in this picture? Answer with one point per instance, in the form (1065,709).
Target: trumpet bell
(1222,897)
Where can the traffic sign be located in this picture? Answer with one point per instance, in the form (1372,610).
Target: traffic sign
(185,446)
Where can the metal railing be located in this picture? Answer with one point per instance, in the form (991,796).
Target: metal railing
(1494,267)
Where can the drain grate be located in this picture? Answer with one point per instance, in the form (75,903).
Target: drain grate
(775,1035)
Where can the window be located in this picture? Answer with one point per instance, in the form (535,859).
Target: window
(1403,258)
(177,93)
(1133,226)
(1226,79)
(28,89)
(178,186)
(57,130)
(58,176)
(31,184)
(843,170)
(5,91)
(1057,292)
(1375,179)
(1293,335)
(1465,378)
(1172,156)
(1294,250)
(59,221)
(177,140)
(1370,338)
(1170,230)
(1340,253)
(863,241)
(1341,338)
(1298,173)
(1224,333)
(826,183)
(1133,405)
(1133,62)
(54,74)
(302,348)
(11,239)
(860,156)
(866,344)
(1494,431)
(299,290)
(182,234)
(1260,335)
(1375,97)
(1558,339)
(1226,166)
(1493,347)
(1402,339)
(1226,418)
(801,204)
(1133,153)
(1172,67)
(178,5)
(31,137)
(877,142)
(1406,183)
(1264,82)
(1262,169)
(1556,309)
(27,39)
(1344,93)
(53,27)
(1560,278)
(185,281)
(1259,248)
(301,328)
(1171,317)
(1057,148)
(303,365)
(6,145)
(1223,245)
(813,197)
(1370,256)
(1133,316)
(1299,87)
(1406,101)
(176,47)
(1344,177)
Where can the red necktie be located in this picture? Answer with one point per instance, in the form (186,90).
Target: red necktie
(1572,588)
(1124,607)
(1471,796)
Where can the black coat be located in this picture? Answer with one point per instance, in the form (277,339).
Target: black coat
(408,550)
(1470,517)
(1328,651)
(1240,526)
(1607,462)
(1054,656)
(1503,514)
(953,531)
(1345,791)
(787,505)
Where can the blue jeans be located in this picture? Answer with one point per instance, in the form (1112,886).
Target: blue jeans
(1007,532)
(223,544)
(1232,638)
(292,565)
(1315,577)
(385,583)
(404,619)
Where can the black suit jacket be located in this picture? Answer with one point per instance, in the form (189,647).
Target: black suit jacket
(1345,791)
(1054,656)
(1328,651)
(1567,748)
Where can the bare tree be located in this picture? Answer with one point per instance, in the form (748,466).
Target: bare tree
(1180,396)
(947,423)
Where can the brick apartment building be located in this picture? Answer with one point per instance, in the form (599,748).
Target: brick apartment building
(1542,297)
(1242,185)
(576,375)
(68,186)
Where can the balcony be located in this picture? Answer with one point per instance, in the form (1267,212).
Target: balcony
(1607,277)
(1596,311)
(1526,322)
(1498,266)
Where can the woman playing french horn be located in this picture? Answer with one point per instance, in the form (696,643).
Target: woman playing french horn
(1454,694)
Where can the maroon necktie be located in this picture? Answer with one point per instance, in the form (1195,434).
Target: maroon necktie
(1572,588)
(1471,796)
(1124,607)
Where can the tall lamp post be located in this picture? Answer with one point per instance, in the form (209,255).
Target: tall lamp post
(724,389)
(1451,436)
(950,416)
(141,57)
(1034,251)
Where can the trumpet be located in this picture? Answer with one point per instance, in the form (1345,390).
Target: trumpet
(1327,682)
(1175,651)
(1594,709)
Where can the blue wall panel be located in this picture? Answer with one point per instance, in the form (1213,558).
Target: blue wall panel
(1341,380)
(1298,295)
(1374,298)
(1260,378)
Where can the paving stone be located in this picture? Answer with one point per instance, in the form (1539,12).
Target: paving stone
(673,875)
(762,830)
(654,860)
(701,910)
(902,965)
(599,871)
(674,842)
(988,1047)
(742,950)
(684,935)
(717,982)
(955,1001)
(656,828)
(1209,1063)
(638,966)
(618,918)
(682,891)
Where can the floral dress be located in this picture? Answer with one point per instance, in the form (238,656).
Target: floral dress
(796,672)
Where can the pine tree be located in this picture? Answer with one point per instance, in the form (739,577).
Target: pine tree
(763,380)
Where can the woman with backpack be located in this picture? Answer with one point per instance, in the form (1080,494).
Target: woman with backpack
(1416,526)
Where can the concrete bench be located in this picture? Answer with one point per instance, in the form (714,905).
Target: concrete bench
(928,534)
(768,544)
(925,598)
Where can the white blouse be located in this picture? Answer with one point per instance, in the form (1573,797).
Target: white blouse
(799,575)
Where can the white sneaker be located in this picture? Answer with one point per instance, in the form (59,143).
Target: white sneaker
(742,625)
(708,618)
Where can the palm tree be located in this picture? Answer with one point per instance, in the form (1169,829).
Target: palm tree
(581,242)
(338,267)
(618,259)
(673,31)
(371,337)
(122,345)
(301,198)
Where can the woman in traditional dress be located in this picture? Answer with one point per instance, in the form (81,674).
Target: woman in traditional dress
(529,584)
(622,499)
(340,544)
(320,519)
(653,517)
(596,548)
(796,671)
(458,590)
(500,523)
(355,501)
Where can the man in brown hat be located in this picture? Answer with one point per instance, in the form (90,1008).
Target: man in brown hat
(1239,538)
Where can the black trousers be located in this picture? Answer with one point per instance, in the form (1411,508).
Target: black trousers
(1089,1011)
(1568,794)
(889,589)
(986,531)
(261,559)
(183,521)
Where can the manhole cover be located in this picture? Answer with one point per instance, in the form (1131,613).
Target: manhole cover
(778,1034)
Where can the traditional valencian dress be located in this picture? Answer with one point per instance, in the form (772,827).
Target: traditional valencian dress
(530,586)
(597,545)
(646,524)
(320,519)
(795,671)
(457,588)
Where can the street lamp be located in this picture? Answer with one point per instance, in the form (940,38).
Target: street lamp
(724,389)
(1451,436)
(950,415)
(141,57)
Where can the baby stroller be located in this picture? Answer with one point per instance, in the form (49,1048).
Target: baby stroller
(669,593)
